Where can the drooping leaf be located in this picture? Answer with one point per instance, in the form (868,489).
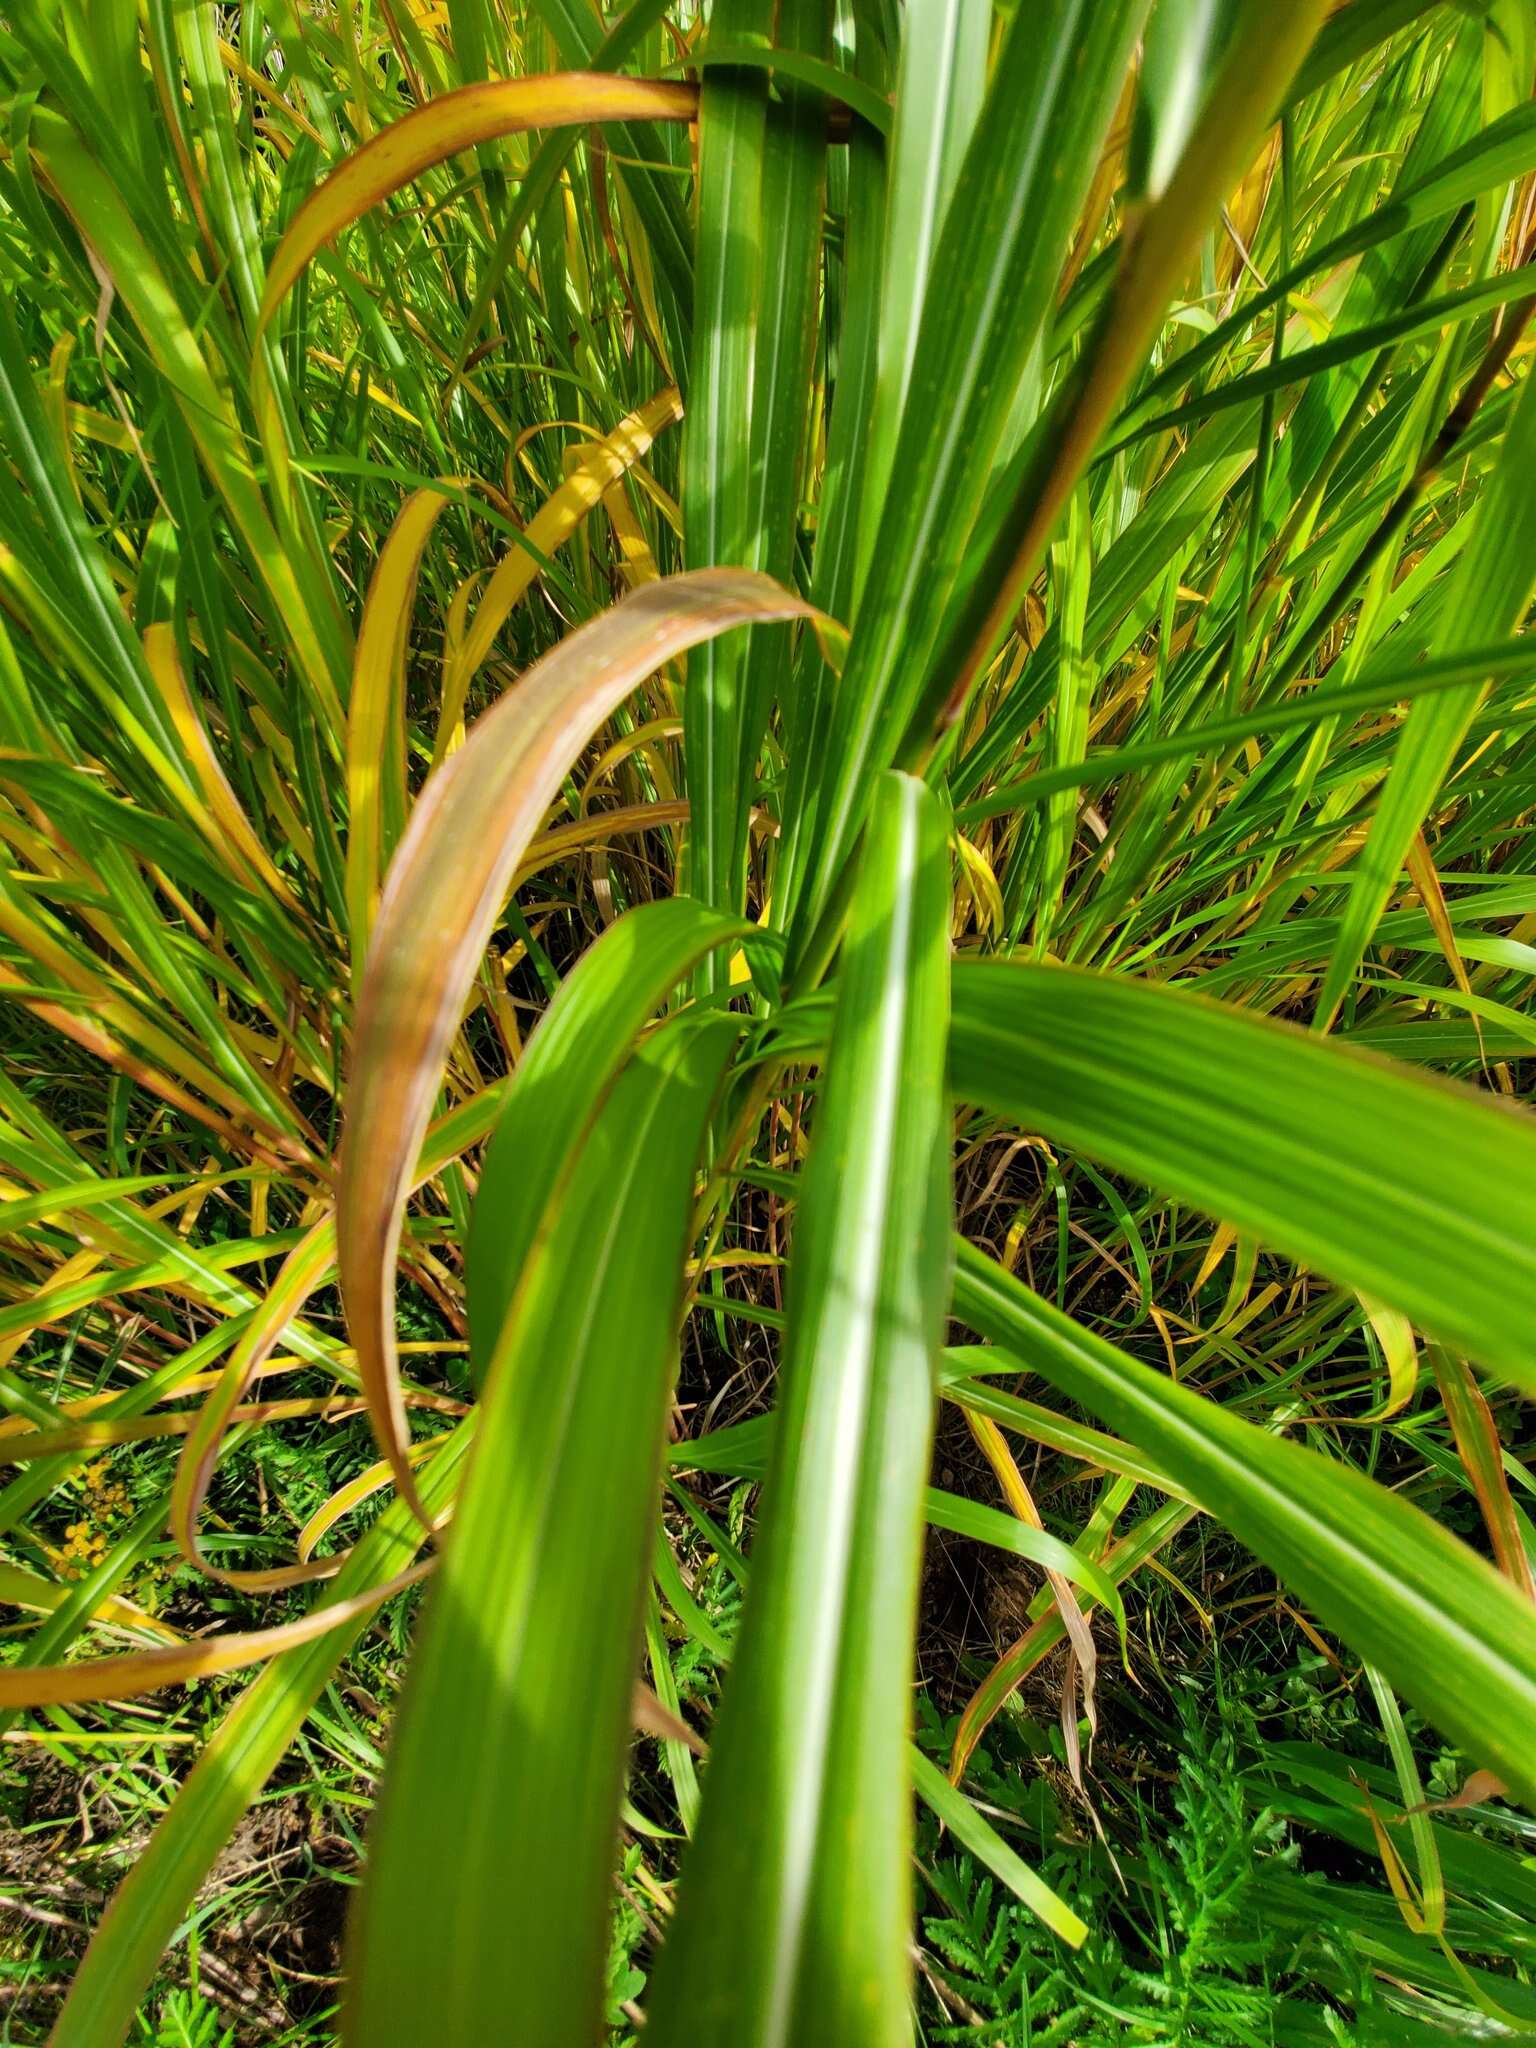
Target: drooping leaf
(1408,1189)
(467,835)
(1450,1633)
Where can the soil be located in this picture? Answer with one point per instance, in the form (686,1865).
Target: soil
(269,1961)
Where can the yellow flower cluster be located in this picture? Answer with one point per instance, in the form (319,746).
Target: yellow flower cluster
(104,1495)
(84,1549)
(102,1500)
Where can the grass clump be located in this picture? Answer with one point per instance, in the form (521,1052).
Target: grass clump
(765,779)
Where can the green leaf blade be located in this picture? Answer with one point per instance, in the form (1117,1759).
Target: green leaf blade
(490,1857)
(1450,1633)
(793,1921)
(1406,1188)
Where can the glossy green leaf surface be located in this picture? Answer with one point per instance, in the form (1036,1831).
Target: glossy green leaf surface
(806,1825)
(989,287)
(1403,1187)
(562,1078)
(532,1630)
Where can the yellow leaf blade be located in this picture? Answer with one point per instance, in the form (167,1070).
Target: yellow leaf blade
(457,121)
(467,836)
